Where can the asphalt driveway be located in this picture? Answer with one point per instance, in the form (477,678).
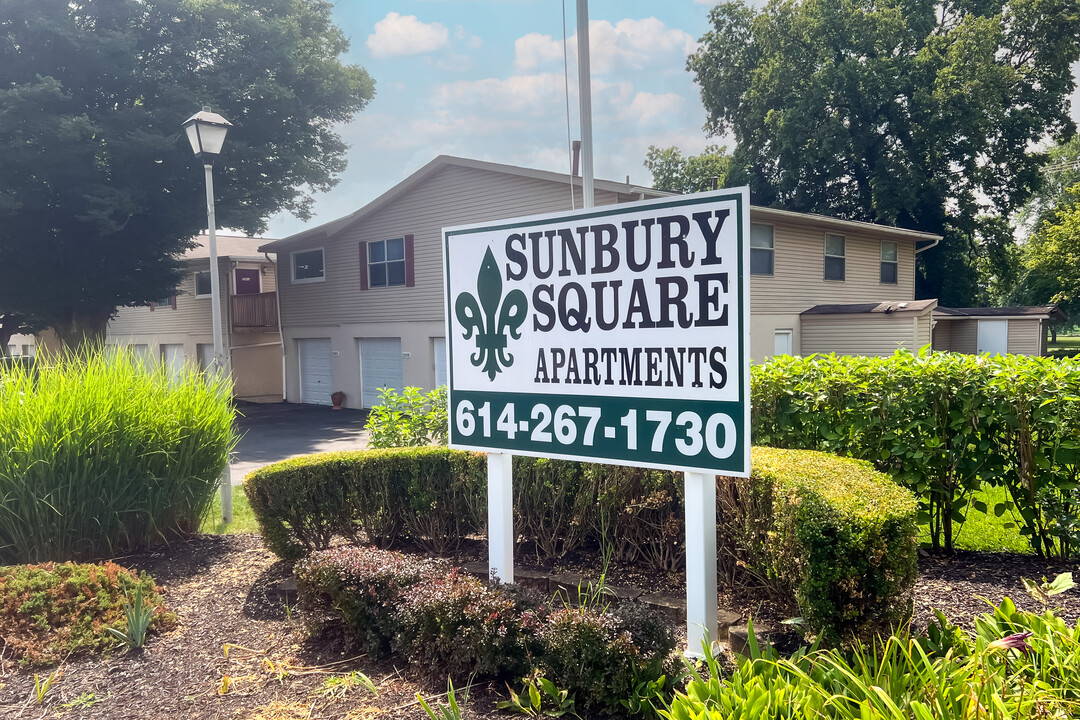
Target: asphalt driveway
(270,432)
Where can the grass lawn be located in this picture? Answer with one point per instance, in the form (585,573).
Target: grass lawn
(1065,345)
(243,518)
(985,531)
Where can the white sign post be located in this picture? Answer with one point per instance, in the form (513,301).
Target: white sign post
(616,335)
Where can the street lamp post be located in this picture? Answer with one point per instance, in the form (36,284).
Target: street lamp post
(206,132)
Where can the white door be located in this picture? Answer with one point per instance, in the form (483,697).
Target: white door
(440,361)
(993,337)
(315,376)
(380,366)
(172,357)
(141,352)
(206,356)
(782,342)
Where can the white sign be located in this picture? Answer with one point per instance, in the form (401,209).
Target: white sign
(616,334)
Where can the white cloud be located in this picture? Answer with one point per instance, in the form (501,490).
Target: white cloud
(406,35)
(647,107)
(518,94)
(626,45)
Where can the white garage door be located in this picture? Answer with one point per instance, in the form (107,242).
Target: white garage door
(994,337)
(172,357)
(440,361)
(380,366)
(315,376)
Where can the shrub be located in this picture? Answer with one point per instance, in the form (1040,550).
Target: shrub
(363,588)
(460,626)
(601,657)
(839,533)
(51,611)
(103,454)
(941,425)
(639,515)
(426,494)
(410,419)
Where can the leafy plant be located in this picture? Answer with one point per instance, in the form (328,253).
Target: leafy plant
(1048,588)
(86,700)
(452,709)
(138,614)
(411,419)
(340,685)
(537,692)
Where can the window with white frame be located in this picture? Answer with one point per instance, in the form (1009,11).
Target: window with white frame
(889,263)
(386,263)
(307,266)
(834,257)
(761,249)
(202,284)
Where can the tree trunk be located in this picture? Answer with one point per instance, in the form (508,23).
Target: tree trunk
(81,327)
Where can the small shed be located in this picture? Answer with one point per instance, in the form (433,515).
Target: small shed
(874,328)
(1018,330)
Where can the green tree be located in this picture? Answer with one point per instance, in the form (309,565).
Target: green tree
(100,192)
(695,173)
(916,113)
(1052,259)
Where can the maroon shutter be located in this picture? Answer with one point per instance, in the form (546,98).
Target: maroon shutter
(410,276)
(151,307)
(363,266)
(172,302)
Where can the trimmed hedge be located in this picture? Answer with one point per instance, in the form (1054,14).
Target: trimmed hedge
(942,425)
(838,532)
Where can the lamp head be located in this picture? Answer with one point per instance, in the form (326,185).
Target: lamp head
(206,132)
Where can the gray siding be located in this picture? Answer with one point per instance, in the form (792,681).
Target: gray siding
(867,334)
(453,195)
(798,283)
(1025,337)
(965,336)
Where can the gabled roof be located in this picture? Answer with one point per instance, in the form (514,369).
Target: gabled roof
(759,214)
(918,306)
(335,226)
(228,246)
(1044,312)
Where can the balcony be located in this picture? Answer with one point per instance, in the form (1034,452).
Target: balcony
(254,311)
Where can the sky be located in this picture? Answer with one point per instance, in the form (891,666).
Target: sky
(484,79)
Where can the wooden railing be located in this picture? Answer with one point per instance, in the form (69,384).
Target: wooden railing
(253,311)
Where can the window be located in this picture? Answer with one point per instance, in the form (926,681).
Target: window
(165,302)
(834,257)
(307,266)
(386,263)
(761,250)
(202,284)
(888,263)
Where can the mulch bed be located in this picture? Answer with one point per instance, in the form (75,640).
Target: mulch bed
(225,591)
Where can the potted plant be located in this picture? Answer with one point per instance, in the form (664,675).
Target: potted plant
(338,398)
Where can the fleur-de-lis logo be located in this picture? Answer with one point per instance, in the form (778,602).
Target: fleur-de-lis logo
(490,321)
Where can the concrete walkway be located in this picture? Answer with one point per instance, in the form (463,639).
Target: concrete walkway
(270,432)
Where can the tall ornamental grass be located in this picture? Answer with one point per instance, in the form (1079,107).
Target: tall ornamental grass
(101,453)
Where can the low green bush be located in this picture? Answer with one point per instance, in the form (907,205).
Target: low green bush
(943,425)
(103,453)
(362,588)
(51,611)
(428,495)
(834,530)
